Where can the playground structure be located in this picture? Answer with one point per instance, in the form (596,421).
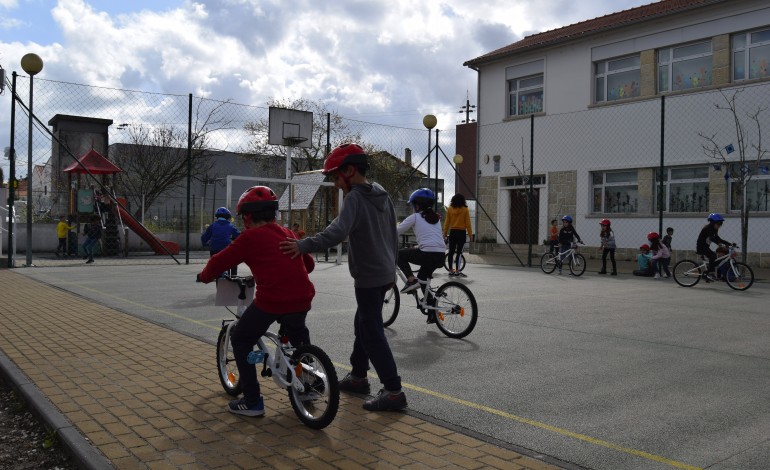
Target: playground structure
(111,210)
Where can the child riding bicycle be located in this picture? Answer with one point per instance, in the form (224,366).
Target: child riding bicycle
(429,253)
(710,234)
(284,291)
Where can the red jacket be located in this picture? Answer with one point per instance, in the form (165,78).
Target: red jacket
(283,285)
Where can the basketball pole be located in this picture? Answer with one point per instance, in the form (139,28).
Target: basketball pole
(288,178)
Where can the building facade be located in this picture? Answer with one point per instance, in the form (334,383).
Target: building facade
(614,116)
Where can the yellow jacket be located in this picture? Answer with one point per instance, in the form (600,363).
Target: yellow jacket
(62,228)
(458,218)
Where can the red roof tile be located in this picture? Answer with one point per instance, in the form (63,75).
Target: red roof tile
(575,31)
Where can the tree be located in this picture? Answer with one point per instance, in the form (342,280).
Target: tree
(750,154)
(155,159)
(312,157)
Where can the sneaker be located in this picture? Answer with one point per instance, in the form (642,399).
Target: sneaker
(452,273)
(240,407)
(386,401)
(461,275)
(410,286)
(559,270)
(90,260)
(657,275)
(352,384)
(602,272)
(431,318)
(614,273)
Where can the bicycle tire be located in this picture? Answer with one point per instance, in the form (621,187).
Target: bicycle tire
(317,406)
(457,310)
(548,263)
(448,263)
(227,370)
(687,273)
(741,277)
(390,306)
(577,264)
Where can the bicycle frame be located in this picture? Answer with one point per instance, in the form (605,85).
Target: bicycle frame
(429,291)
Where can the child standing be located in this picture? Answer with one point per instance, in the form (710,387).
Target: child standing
(553,236)
(62,232)
(368,221)
(284,291)
(93,232)
(567,236)
(456,225)
(220,234)
(661,257)
(608,246)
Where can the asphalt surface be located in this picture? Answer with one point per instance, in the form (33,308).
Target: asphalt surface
(598,372)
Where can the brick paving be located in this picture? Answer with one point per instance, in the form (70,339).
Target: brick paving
(146,397)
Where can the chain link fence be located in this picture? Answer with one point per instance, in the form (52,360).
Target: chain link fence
(153,168)
(646,165)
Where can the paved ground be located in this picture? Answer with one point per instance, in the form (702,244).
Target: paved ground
(128,393)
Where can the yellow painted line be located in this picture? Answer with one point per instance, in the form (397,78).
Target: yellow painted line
(458,401)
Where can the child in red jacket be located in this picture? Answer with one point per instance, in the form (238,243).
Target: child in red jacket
(284,291)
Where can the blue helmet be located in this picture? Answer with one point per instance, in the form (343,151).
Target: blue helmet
(567,218)
(715,217)
(223,212)
(422,196)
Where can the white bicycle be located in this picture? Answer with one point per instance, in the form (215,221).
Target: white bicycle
(737,275)
(306,371)
(452,306)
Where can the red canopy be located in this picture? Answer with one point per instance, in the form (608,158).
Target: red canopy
(96,164)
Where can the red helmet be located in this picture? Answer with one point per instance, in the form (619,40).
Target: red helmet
(604,222)
(652,236)
(645,247)
(342,155)
(257,199)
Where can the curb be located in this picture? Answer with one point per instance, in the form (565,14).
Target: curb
(81,450)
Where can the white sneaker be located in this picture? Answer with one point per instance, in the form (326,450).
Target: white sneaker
(657,275)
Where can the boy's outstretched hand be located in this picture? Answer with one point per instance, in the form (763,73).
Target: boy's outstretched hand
(290,247)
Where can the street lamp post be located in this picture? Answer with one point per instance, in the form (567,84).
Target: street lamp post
(430,121)
(32,64)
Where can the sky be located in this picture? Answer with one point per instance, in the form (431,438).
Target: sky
(380,61)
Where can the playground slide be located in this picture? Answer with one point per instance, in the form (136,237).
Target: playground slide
(155,243)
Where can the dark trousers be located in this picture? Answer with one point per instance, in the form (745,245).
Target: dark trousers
(88,247)
(252,325)
(611,252)
(62,248)
(712,257)
(370,344)
(661,266)
(428,261)
(456,243)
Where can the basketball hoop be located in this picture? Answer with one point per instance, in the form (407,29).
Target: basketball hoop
(292,141)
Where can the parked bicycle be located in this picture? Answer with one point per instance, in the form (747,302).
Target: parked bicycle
(576,262)
(305,371)
(452,305)
(737,275)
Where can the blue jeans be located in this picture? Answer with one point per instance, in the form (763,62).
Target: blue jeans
(252,325)
(88,247)
(370,343)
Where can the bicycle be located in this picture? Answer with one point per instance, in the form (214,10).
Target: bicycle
(737,275)
(305,371)
(449,263)
(452,305)
(576,262)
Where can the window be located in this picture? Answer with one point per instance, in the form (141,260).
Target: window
(526,95)
(615,192)
(684,67)
(751,55)
(757,189)
(523,181)
(684,189)
(617,79)
(525,88)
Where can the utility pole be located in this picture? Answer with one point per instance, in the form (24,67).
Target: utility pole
(467,109)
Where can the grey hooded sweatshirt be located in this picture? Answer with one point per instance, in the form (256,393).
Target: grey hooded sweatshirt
(368,221)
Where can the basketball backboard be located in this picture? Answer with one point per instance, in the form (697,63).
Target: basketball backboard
(290,127)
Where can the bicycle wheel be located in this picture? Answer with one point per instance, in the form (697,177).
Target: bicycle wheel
(317,406)
(391,306)
(457,311)
(228,372)
(577,264)
(687,273)
(548,263)
(739,276)
(448,263)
